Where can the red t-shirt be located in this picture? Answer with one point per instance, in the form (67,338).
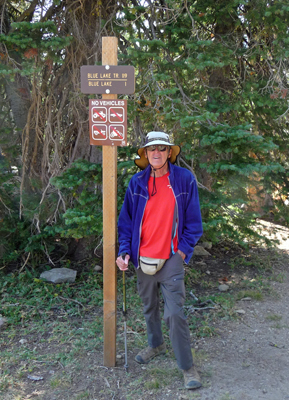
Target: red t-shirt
(157,237)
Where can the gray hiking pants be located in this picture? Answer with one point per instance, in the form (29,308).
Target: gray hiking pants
(170,279)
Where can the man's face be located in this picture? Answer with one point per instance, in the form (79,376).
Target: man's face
(157,155)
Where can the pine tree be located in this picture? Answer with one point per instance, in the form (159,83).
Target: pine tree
(214,76)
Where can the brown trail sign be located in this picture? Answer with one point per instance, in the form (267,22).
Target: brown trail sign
(108,125)
(107,79)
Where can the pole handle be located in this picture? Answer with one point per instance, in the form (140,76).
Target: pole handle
(123,291)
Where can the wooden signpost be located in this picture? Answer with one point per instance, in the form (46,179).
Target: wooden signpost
(108,125)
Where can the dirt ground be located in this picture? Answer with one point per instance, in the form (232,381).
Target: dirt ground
(250,357)
(247,358)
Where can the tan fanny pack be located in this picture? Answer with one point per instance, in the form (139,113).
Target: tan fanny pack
(150,266)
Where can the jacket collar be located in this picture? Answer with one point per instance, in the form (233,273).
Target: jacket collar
(144,175)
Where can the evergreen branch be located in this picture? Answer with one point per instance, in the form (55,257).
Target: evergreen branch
(192,171)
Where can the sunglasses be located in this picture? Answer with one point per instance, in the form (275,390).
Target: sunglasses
(160,147)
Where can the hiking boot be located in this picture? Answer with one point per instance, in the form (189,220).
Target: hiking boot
(147,354)
(192,378)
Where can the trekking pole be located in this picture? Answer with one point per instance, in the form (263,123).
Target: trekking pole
(124,317)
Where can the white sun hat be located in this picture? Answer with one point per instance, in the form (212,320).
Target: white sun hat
(155,138)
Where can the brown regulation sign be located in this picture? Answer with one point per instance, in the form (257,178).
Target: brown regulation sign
(107,79)
(108,122)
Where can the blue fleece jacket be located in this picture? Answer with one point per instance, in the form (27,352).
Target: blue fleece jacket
(189,221)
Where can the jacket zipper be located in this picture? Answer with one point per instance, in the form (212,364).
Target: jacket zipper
(176,205)
(140,227)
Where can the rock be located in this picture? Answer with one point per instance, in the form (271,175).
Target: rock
(35,377)
(59,275)
(206,245)
(97,268)
(208,272)
(200,251)
(22,341)
(2,322)
(223,288)
(246,299)
(240,311)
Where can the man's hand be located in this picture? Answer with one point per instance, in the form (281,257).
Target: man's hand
(122,263)
(182,254)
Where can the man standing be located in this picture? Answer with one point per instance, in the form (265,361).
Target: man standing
(158,227)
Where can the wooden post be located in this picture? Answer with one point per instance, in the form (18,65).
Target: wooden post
(109,174)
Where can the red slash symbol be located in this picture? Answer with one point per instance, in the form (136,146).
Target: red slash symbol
(101,115)
(117,132)
(116,114)
(98,131)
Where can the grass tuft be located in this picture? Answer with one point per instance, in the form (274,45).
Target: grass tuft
(274,317)
(253,294)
